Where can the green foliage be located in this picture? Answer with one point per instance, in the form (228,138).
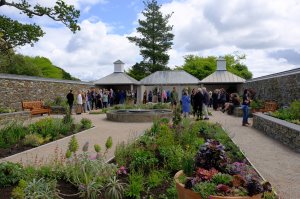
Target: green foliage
(205,189)
(172,156)
(34,66)
(143,160)
(86,123)
(221,178)
(6,110)
(11,134)
(257,104)
(10,173)
(156,178)
(201,67)
(33,140)
(97,148)
(188,163)
(47,127)
(154,42)
(108,143)
(41,188)
(136,185)
(123,153)
(73,144)
(18,191)
(291,114)
(115,189)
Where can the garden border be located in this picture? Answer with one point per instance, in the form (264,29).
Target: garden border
(19,115)
(36,148)
(285,132)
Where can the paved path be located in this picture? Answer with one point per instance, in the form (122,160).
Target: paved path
(277,163)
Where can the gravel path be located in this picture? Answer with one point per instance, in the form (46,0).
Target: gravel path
(277,163)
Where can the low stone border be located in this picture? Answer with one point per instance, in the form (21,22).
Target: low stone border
(283,131)
(238,111)
(58,110)
(15,116)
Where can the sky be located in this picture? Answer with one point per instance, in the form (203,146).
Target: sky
(267,32)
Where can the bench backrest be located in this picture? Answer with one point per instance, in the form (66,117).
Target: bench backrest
(32,105)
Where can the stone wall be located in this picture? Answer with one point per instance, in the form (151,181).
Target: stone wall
(20,116)
(285,132)
(282,87)
(16,88)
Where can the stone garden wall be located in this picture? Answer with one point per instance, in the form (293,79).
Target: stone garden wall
(282,87)
(285,132)
(16,116)
(15,88)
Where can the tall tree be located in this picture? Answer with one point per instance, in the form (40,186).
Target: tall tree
(155,39)
(15,34)
(201,67)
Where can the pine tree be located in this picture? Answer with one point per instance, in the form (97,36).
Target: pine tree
(155,40)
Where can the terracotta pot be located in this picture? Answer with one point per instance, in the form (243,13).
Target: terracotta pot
(184,193)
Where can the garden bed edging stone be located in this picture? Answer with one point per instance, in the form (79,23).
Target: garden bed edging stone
(283,131)
(19,116)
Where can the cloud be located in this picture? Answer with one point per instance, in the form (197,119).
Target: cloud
(290,55)
(266,31)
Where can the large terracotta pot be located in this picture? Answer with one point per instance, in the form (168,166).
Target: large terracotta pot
(184,193)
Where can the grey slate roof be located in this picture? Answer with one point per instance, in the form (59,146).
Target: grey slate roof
(118,62)
(116,79)
(223,76)
(169,78)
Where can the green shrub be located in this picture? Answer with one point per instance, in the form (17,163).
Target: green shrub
(143,160)
(221,178)
(18,191)
(136,185)
(86,123)
(11,134)
(172,156)
(10,173)
(205,189)
(33,140)
(115,189)
(41,188)
(156,178)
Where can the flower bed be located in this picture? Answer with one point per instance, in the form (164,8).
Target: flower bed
(18,116)
(15,138)
(283,131)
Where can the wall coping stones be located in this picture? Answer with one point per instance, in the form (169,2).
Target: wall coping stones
(279,121)
(32,78)
(280,74)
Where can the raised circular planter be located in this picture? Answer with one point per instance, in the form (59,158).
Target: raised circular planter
(138,115)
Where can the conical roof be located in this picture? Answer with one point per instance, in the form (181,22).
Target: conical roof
(222,76)
(116,79)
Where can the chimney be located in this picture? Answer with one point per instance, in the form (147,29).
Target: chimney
(118,66)
(221,64)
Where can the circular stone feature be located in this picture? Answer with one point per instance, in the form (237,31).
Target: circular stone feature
(138,115)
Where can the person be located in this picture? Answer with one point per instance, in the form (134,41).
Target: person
(150,96)
(205,103)
(186,103)
(234,101)
(214,96)
(164,96)
(79,103)
(83,95)
(105,99)
(245,107)
(210,99)
(193,101)
(174,98)
(145,97)
(198,101)
(70,98)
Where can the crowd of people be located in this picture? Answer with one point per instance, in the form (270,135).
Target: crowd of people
(97,99)
(199,99)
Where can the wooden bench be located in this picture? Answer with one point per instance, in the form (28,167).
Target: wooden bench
(270,106)
(35,107)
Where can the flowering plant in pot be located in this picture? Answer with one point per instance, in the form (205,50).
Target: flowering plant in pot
(215,177)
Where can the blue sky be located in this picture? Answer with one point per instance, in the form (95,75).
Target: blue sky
(266,31)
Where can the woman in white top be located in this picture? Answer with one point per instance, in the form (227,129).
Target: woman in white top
(79,103)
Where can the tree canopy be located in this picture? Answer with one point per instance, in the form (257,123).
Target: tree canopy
(13,33)
(154,41)
(201,67)
(33,66)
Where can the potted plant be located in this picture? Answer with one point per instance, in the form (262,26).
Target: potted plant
(215,177)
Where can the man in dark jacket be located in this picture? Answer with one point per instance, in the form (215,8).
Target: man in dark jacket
(198,103)
(70,98)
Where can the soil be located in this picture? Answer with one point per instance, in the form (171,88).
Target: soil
(13,150)
(66,190)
